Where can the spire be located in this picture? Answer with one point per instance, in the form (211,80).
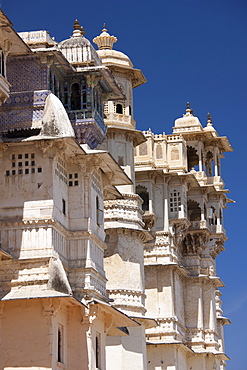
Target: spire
(104,40)
(78,29)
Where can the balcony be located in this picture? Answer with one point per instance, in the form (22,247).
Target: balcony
(120,120)
(89,126)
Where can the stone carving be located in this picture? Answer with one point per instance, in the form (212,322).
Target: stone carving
(193,243)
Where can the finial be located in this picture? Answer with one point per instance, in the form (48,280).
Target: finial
(209,120)
(189,111)
(77,25)
(78,29)
(104,40)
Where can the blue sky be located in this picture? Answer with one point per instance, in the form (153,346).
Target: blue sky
(189,50)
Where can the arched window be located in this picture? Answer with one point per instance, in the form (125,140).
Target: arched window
(119,109)
(143,193)
(75,97)
(130,110)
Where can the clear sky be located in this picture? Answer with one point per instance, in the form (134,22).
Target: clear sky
(189,50)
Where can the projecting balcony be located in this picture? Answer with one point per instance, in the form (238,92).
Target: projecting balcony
(88,125)
(205,225)
(120,120)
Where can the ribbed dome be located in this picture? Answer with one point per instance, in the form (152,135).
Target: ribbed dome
(78,50)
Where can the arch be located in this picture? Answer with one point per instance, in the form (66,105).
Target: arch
(208,162)
(143,193)
(194,210)
(192,157)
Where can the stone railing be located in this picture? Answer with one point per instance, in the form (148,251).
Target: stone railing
(120,120)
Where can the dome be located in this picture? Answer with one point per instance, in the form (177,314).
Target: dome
(105,44)
(188,122)
(78,50)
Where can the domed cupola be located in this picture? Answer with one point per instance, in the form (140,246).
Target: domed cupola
(78,50)
(187,123)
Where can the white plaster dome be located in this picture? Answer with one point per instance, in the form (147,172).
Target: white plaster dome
(107,54)
(78,50)
(188,122)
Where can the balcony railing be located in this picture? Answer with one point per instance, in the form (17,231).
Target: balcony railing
(86,115)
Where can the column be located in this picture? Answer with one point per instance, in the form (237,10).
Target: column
(166,204)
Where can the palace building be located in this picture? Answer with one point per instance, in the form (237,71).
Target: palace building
(108,235)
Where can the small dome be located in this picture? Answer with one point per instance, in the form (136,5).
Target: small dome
(188,122)
(105,44)
(78,50)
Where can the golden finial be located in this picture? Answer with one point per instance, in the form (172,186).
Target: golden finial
(104,28)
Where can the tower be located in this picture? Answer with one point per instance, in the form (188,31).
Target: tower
(179,178)
(54,310)
(124,227)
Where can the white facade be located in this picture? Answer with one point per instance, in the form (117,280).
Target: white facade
(107,254)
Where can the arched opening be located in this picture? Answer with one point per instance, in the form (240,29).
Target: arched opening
(143,193)
(194,211)
(130,113)
(208,163)
(75,97)
(192,158)
(119,109)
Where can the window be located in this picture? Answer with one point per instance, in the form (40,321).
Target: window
(99,213)
(119,109)
(60,344)
(143,193)
(75,97)
(175,201)
(64,206)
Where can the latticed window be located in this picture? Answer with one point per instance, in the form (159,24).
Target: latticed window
(175,201)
